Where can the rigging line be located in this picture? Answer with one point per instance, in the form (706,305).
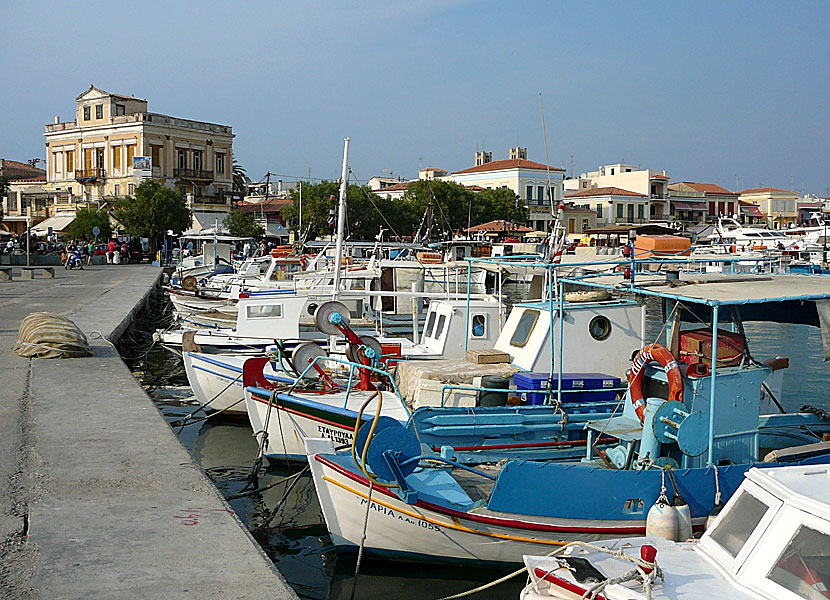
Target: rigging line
(547,158)
(369,197)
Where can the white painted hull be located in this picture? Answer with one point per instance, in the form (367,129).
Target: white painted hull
(319,415)
(215,385)
(418,532)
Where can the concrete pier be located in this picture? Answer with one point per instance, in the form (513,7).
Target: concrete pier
(98,499)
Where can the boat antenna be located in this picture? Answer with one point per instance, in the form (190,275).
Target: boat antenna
(556,241)
(341,219)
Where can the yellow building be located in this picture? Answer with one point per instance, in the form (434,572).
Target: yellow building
(114,143)
(779,207)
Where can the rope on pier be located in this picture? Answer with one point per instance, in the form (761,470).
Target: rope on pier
(47,335)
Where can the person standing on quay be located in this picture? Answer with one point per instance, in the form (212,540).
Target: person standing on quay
(89,250)
(110,251)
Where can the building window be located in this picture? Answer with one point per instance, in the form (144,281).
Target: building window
(130,155)
(641,208)
(116,158)
(612,170)
(529,194)
(56,162)
(540,191)
(156,155)
(131,189)
(86,113)
(12,198)
(120,110)
(197,160)
(620,210)
(220,163)
(599,211)
(116,190)
(99,111)
(70,160)
(182,158)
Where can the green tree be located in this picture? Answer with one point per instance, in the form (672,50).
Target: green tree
(365,212)
(152,211)
(240,177)
(243,225)
(438,206)
(501,203)
(85,220)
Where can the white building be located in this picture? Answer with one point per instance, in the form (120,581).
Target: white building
(647,182)
(527,179)
(612,205)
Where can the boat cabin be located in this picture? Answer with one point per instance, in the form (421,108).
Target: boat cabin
(447,326)
(270,315)
(599,335)
(773,537)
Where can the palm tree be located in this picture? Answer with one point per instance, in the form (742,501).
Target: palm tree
(240,178)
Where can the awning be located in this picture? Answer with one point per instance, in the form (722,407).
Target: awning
(680,205)
(752,211)
(59,223)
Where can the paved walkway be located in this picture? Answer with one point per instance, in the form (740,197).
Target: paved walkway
(98,499)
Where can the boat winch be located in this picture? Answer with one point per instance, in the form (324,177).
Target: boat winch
(673,423)
(332,318)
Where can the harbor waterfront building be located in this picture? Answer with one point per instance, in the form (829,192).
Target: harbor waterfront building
(26,197)
(696,202)
(648,182)
(115,142)
(528,179)
(612,205)
(779,207)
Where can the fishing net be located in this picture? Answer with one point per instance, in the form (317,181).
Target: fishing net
(46,335)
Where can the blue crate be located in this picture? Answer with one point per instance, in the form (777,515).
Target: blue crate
(596,387)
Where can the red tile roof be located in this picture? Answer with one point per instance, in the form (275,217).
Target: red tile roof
(708,188)
(271,205)
(603,191)
(20,171)
(501,165)
(404,185)
(765,189)
(499,226)
(660,177)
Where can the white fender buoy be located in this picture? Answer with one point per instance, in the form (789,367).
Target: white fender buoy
(713,515)
(663,520)
(684,518)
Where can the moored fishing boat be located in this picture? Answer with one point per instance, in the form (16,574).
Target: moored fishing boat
(694,431)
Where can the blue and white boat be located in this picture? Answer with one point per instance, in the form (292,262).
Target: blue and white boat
(690,425)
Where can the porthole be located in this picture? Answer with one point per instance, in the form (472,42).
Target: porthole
(600,328)
(312,308)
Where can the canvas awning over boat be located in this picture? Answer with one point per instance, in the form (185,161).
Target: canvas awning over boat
(59,223)
(752,211)
(799,299)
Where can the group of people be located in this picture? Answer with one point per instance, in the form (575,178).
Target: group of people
(116,252)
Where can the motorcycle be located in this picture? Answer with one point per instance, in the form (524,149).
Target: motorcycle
(74,261)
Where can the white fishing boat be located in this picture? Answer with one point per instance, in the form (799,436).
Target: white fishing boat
(771,541)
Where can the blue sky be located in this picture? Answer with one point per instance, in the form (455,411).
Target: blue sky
(707,90)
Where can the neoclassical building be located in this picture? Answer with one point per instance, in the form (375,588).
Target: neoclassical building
(115,142)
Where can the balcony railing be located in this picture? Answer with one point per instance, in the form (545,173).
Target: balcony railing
(193,174)
(89,174)
(216,199)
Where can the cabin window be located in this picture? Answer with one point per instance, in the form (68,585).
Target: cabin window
(440,327)
(524,328)
(264,311)
(479,326)
(804,566)
(430,325)
(312,308)
(599,328)
(734,529)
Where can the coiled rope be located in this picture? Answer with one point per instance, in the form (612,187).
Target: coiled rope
(47,335)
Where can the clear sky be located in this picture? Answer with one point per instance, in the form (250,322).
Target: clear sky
(709,91)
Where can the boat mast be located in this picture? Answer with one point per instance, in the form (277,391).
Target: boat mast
(341,218)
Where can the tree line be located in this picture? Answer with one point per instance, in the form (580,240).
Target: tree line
(434,209)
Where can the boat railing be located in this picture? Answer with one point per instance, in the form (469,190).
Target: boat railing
(350,386)
(549,393)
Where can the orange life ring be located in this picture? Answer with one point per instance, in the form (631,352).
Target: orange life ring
(660,354)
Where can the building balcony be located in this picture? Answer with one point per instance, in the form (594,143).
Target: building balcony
(90,175)
(214,200)
(193,174)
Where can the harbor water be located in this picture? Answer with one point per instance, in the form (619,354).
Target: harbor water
(287,521)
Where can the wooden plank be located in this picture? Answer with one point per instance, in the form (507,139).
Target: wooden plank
(487,356)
